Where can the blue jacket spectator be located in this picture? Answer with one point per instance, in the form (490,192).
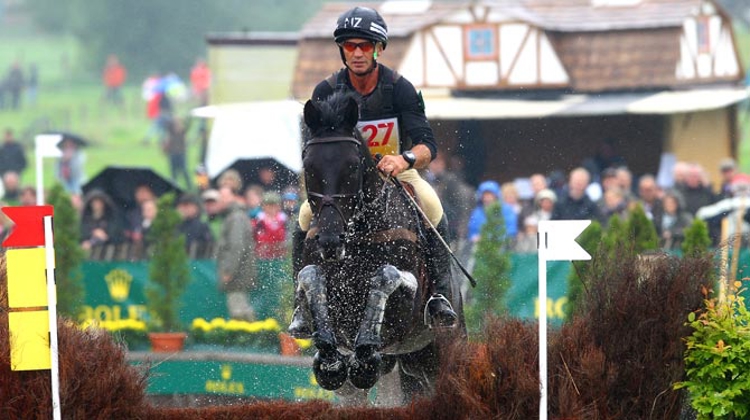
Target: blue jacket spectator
(488,193)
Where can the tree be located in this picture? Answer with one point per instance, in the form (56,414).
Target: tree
(491,270)
(68,253)
(590,240)
(168,270)
(642,230)
(697,241)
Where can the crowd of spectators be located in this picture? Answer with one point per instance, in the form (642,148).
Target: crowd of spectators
(247,228)
(612,192)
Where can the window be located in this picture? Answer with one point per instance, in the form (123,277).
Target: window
(704,38)
(481,42)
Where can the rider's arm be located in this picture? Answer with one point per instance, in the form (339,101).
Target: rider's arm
(411,108)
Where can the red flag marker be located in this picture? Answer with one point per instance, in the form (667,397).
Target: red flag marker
(29,228)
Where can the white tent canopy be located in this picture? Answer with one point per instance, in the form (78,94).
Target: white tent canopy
(248,130)
(665,102)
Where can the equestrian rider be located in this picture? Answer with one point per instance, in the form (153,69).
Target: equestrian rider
(392,119)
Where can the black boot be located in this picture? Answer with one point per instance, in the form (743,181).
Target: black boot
(439,311)
(299,327)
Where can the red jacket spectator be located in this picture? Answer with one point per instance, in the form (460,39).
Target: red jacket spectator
(270,229)
(114,73)
(200,80)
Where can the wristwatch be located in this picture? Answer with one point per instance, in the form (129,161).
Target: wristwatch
(410,158)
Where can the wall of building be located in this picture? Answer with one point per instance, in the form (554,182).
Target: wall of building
(703,137)
(251,72)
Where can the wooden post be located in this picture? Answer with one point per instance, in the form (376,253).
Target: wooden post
(723,276)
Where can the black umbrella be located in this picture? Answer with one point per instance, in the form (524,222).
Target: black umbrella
(249,170)
(120,184)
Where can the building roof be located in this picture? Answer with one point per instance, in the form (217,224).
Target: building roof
(604,45)
(552,15)
(585,15)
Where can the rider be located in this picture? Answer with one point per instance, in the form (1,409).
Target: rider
(393,120)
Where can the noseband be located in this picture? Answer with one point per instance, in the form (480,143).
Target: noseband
(330,199)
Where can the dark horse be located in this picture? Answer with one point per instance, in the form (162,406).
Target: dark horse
(364,272)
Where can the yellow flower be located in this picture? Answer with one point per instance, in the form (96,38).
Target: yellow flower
(218,323)
(201,324)
(303,343)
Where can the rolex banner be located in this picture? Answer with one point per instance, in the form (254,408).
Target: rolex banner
(114,290)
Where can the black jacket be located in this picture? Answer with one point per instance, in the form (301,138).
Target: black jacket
(12,158)
(405,103)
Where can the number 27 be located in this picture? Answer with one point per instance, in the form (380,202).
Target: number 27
(371,132)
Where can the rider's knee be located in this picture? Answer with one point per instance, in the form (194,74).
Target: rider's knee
(305,216)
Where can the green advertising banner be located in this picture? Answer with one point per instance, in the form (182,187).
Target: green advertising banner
(265,379)
(114,290)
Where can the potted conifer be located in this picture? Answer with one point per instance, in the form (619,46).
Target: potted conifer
(168,277)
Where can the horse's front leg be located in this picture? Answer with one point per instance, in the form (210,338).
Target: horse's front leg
(364,367)
(329,365)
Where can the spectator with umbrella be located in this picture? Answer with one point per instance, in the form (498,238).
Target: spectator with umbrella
(99,221)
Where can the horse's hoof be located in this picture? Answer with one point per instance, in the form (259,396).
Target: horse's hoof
(439,313)
(330,371)
(364,371)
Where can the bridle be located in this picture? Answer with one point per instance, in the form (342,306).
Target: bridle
(330,200)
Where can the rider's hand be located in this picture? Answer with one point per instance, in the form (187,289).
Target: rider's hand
(393,165)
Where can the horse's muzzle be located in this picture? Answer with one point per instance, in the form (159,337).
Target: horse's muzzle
(331,246)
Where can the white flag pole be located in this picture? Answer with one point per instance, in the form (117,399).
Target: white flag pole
(556,242)
(52,311)
(45,145)
(542,302)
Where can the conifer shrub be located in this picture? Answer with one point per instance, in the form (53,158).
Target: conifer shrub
(642,230)
(68,254)
(169,273)
(491,271)
(697,241)
(589,240)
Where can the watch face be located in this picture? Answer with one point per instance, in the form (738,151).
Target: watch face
(410,157)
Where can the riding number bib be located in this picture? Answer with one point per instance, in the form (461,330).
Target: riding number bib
(382,136)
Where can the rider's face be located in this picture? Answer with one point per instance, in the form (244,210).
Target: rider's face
(359,59)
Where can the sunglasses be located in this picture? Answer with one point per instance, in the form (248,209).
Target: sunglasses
(365,47)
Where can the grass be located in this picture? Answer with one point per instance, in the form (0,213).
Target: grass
(70,99)
(115,135)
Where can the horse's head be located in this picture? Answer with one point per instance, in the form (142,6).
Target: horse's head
(333,164)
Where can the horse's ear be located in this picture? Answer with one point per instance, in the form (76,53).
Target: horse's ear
(351,113)
(312,115)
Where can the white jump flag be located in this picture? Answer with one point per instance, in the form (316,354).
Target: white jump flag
(556,242)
